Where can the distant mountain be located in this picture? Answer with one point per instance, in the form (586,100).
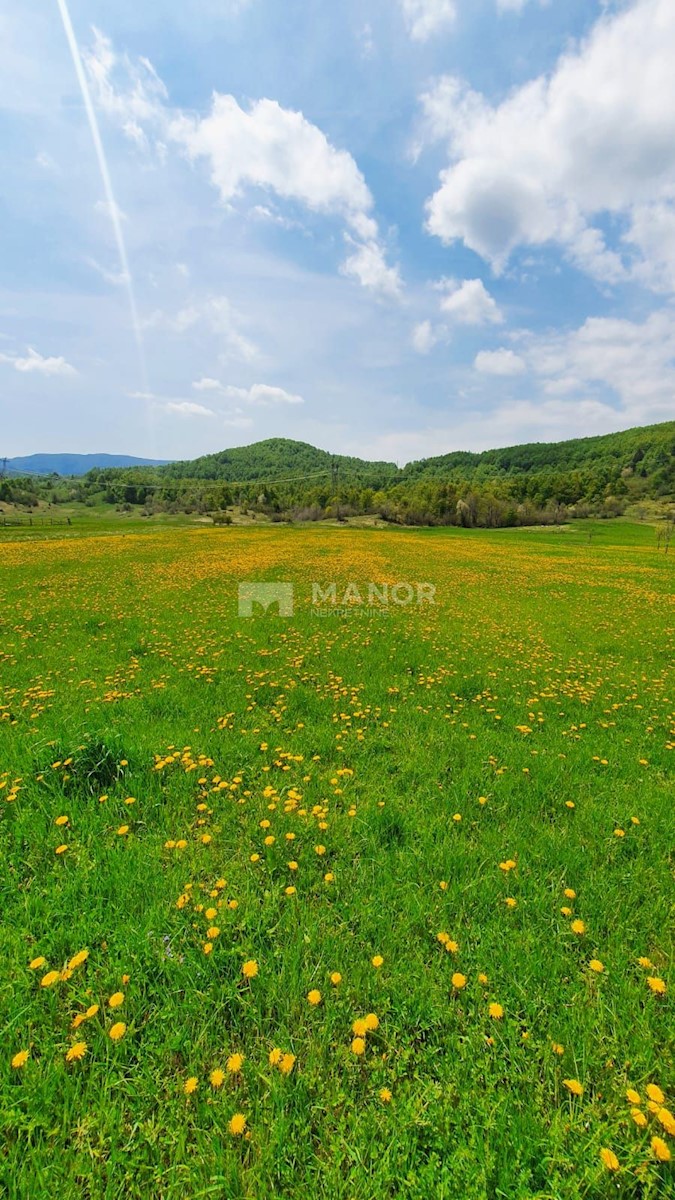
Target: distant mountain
(277,459)
(74,464)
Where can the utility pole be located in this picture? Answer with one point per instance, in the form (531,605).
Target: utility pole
(335,478)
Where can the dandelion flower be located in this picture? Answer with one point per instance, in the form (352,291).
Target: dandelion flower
(76,1052)
(250,969)
(458,981)
(237,1125)
(116,999)
(666,1118)
(329,877)
(217,1077)
(558,1048)
(190,1085)
(654,1092)
(77,959)
(578,927)
(335,978)
(212,932)
(570,893)
(63,820)
(50,978)
(496,1011)
(234,1063)
(20,1059)
(660,1150)
(573,1086)
(61,849)
(385,1095)
(656,985)
(646,963)
(287,1063)
(207,947)
(372,1022)
(36,963)
(118,1031)
(358,1046)
(632,1096)
(596,965)
(314,997)
(211,914)
(566,910)
(377,961)
(483,979)
(276,1056)
(609,1159)
(510,902)
(639,1117)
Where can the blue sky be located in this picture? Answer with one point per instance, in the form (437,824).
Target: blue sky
(388,227)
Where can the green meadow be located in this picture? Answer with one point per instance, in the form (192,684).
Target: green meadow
(372,900)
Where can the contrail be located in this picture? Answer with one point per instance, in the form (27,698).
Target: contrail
(107,183)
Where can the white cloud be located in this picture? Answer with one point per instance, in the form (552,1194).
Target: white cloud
(499,362)
(367,263)
(635,361)
(263,395)
(187,408)
(427,17)
(594,138)
(207,385)
(36,362)
(423,337)
(218,315)
(469,303)
(263,146)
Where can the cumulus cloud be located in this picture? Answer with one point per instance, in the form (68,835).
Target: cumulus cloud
(263,395)
(34,362)
(187,408)
(499,362)
(259,147)
(427,17)
(594,138)
(469,302)
(207,385)
(424,337)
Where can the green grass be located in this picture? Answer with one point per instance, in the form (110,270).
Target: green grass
(122,652)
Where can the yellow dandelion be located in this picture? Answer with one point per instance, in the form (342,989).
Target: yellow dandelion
(20,1059)
(646,963)
(656,985)
(573,1086)
(36,963)
(276,1056)
(377,961)
(250,969)
(558,1048)
(372,1022)
(359,1027)
(76,1052)
(570,893)
(385,1095)
(632,1096)
(116,999)
(61,849)
(654,1092)
(666,1118)
(237,1125)
(329,877)
(458,981)
(596,965)
(660,1150)
(212,932)
(217,1077)
(287,1063)
(578,927)
(496,1011)
(335,978)
(234,1063)
(190,1085)
(207,947)
(118,1031)
(510,902)
(482,978)
(639,1117)
(123,829)
(609,1159)
(78,959)
(63,820)
(50,978)
(358,1046)
(314,997)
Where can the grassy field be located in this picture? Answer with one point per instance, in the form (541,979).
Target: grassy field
(357,903)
